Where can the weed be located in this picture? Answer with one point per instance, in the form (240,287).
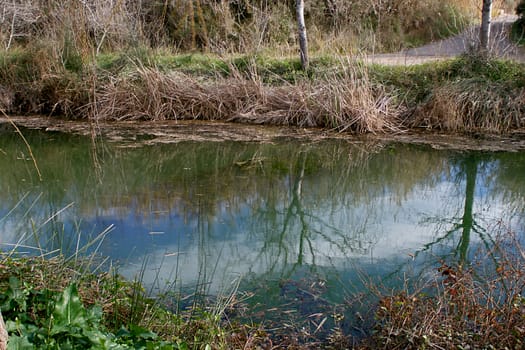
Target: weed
(228,26)
(471,306)
(55,304)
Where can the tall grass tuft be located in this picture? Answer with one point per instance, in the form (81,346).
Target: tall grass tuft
(473,105)
(35,83)
(341,101)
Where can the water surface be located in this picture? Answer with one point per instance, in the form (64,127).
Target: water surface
(295,224)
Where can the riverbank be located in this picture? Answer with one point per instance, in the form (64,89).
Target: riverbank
(52,301)
(468,94)
(136,133)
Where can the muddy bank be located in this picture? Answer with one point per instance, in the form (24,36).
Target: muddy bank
(137,133)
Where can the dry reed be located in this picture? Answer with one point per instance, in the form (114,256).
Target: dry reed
(471,106)
(347,102)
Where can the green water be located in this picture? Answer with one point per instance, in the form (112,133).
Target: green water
(297,226)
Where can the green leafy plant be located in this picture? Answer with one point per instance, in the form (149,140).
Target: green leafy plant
(59,320)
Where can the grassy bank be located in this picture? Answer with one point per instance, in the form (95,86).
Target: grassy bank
(229,60)
(57,303)
(465,94)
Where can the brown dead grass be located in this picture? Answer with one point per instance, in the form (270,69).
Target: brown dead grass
(472,106)
(471,306)
(347,102)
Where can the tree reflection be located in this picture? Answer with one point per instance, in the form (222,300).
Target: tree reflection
(467,222)
(270,209)
(470,166)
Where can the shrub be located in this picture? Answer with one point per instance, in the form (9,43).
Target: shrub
(518,28)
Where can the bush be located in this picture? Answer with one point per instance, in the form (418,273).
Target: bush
(518,29)
(225,26)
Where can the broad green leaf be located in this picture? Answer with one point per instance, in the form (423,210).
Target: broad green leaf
(69,311)
(102,341)
(19,343)
(16,297)
(141,332)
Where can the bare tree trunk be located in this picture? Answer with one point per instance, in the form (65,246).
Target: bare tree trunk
(484,33)
(303,41)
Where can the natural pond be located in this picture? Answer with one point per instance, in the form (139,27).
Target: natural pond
(297,227)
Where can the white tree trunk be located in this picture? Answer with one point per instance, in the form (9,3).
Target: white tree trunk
(484,33)
(303,41)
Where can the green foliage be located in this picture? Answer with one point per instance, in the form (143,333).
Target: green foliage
(109,312)
(42,319)
(417,82)
(494,70)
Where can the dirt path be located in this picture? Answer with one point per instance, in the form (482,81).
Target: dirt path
(458,44)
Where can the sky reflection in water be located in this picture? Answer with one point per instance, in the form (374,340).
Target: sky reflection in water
(209,213)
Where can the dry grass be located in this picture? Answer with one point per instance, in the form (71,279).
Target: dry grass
(477,97)
(347,101)
(472,105)
(390,25)
(471,306)
(94,26)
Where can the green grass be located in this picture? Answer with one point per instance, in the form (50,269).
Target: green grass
(55,303)
(269,69)
(417,82)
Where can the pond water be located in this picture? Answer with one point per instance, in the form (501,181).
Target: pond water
(298,226)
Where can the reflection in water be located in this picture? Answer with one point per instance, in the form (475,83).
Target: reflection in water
(204,214)
(471,170)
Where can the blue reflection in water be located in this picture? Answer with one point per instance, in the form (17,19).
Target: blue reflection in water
(301,224)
